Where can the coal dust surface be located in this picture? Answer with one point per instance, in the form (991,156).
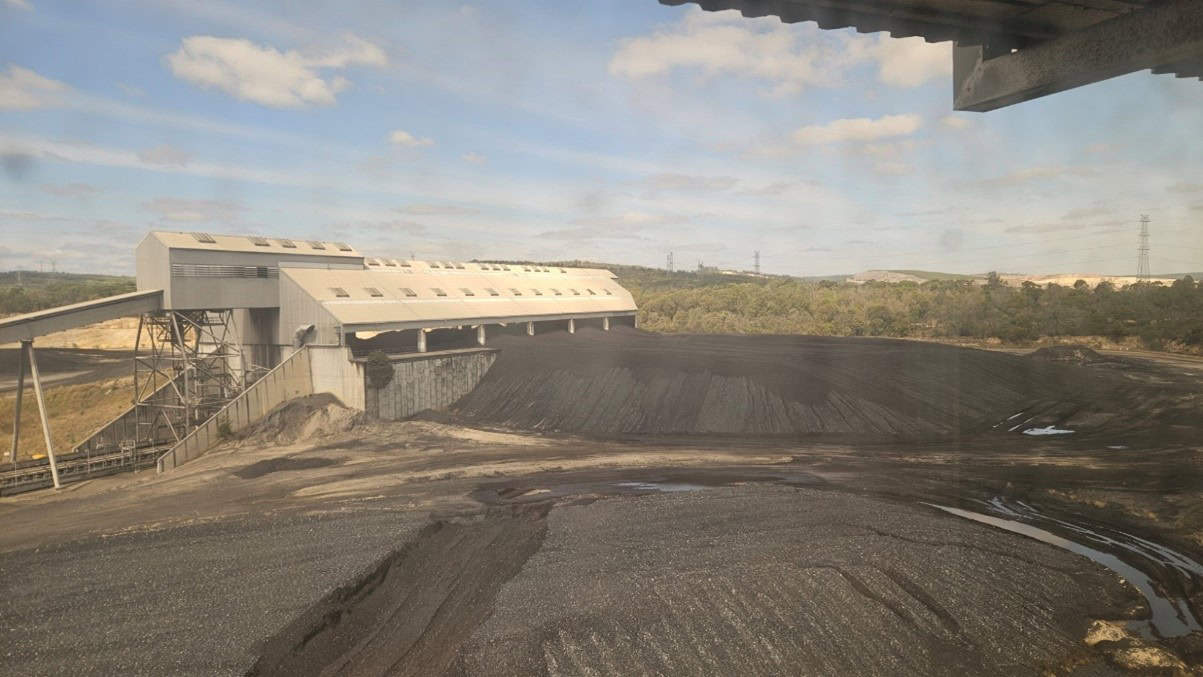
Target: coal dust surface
(631,382)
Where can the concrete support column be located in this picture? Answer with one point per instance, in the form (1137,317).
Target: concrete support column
(27,348)
(605,324)
(480,335)
(571,326)
(421,340)
(17,405)
(530,328)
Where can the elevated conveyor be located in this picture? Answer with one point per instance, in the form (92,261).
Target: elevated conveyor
(25,328)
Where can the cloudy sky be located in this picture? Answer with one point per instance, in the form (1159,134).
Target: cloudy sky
(613,131)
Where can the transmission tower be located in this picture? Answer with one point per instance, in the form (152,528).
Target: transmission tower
(670,262)
(1142,249)
(756,256)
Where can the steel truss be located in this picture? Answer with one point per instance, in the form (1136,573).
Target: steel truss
(195,354)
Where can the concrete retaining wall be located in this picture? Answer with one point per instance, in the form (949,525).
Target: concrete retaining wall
(334,372)
(290,379)
(427,381)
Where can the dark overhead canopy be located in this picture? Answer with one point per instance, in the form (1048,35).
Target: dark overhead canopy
(1008,51)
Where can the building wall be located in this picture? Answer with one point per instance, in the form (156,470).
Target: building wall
(297,309)
(427,381)
(150,268)
(333,372)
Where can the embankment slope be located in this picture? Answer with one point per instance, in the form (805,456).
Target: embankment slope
(632,382)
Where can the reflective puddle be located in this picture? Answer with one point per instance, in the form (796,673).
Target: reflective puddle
(1171,615)
(1048,430)
(666,487)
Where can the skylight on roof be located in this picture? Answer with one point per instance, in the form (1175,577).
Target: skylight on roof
(515,292)
(537,292)
(339,292)
(408,292)
(316,245)
(259,241)
(467,292)
(438,291)
(287,244)
(373,292)
(204,237)
(492,291)
(343,246)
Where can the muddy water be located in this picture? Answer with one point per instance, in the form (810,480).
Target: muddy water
(1171,615)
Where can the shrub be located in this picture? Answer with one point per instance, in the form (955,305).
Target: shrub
(379,369)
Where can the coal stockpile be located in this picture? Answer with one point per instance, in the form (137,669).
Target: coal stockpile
(631,382)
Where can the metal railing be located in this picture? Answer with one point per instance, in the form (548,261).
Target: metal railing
(291,378)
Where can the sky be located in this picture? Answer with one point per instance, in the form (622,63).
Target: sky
(606,131)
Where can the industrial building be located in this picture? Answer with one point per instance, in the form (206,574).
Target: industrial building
(232,326)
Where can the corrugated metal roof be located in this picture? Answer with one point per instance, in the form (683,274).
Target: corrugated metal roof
(253,243)
(1011,23)
(443,297)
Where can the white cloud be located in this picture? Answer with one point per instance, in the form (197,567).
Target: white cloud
(19,4)
(23,89)
(267,76)
(910,62)
(165,154)
(474,158)
(684,183)
(857,129)
(724,43)
(78,190)
(955,122)
(788,56)
(182,210)
(401,137)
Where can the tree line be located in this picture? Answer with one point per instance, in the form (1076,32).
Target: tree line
(38,291)
(1158,315)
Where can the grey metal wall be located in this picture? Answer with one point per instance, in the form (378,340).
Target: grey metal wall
(297,308)
(427,381)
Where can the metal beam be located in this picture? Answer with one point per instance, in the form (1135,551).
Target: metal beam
(27,348)
(1147,38)
(32,325)
(17,405)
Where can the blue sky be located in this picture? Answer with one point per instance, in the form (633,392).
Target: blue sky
(614,131)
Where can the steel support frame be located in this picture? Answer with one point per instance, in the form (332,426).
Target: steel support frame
(193,353)
(1162,37)
(28,354)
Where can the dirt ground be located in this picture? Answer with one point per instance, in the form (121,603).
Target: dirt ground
(499,540)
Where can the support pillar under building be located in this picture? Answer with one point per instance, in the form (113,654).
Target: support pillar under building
(571,326)
(530,328)
(421,340)
(606,323)
(480,335)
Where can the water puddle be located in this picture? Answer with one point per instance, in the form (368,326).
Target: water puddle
(1048,430)
(1171,615)
(663,487)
